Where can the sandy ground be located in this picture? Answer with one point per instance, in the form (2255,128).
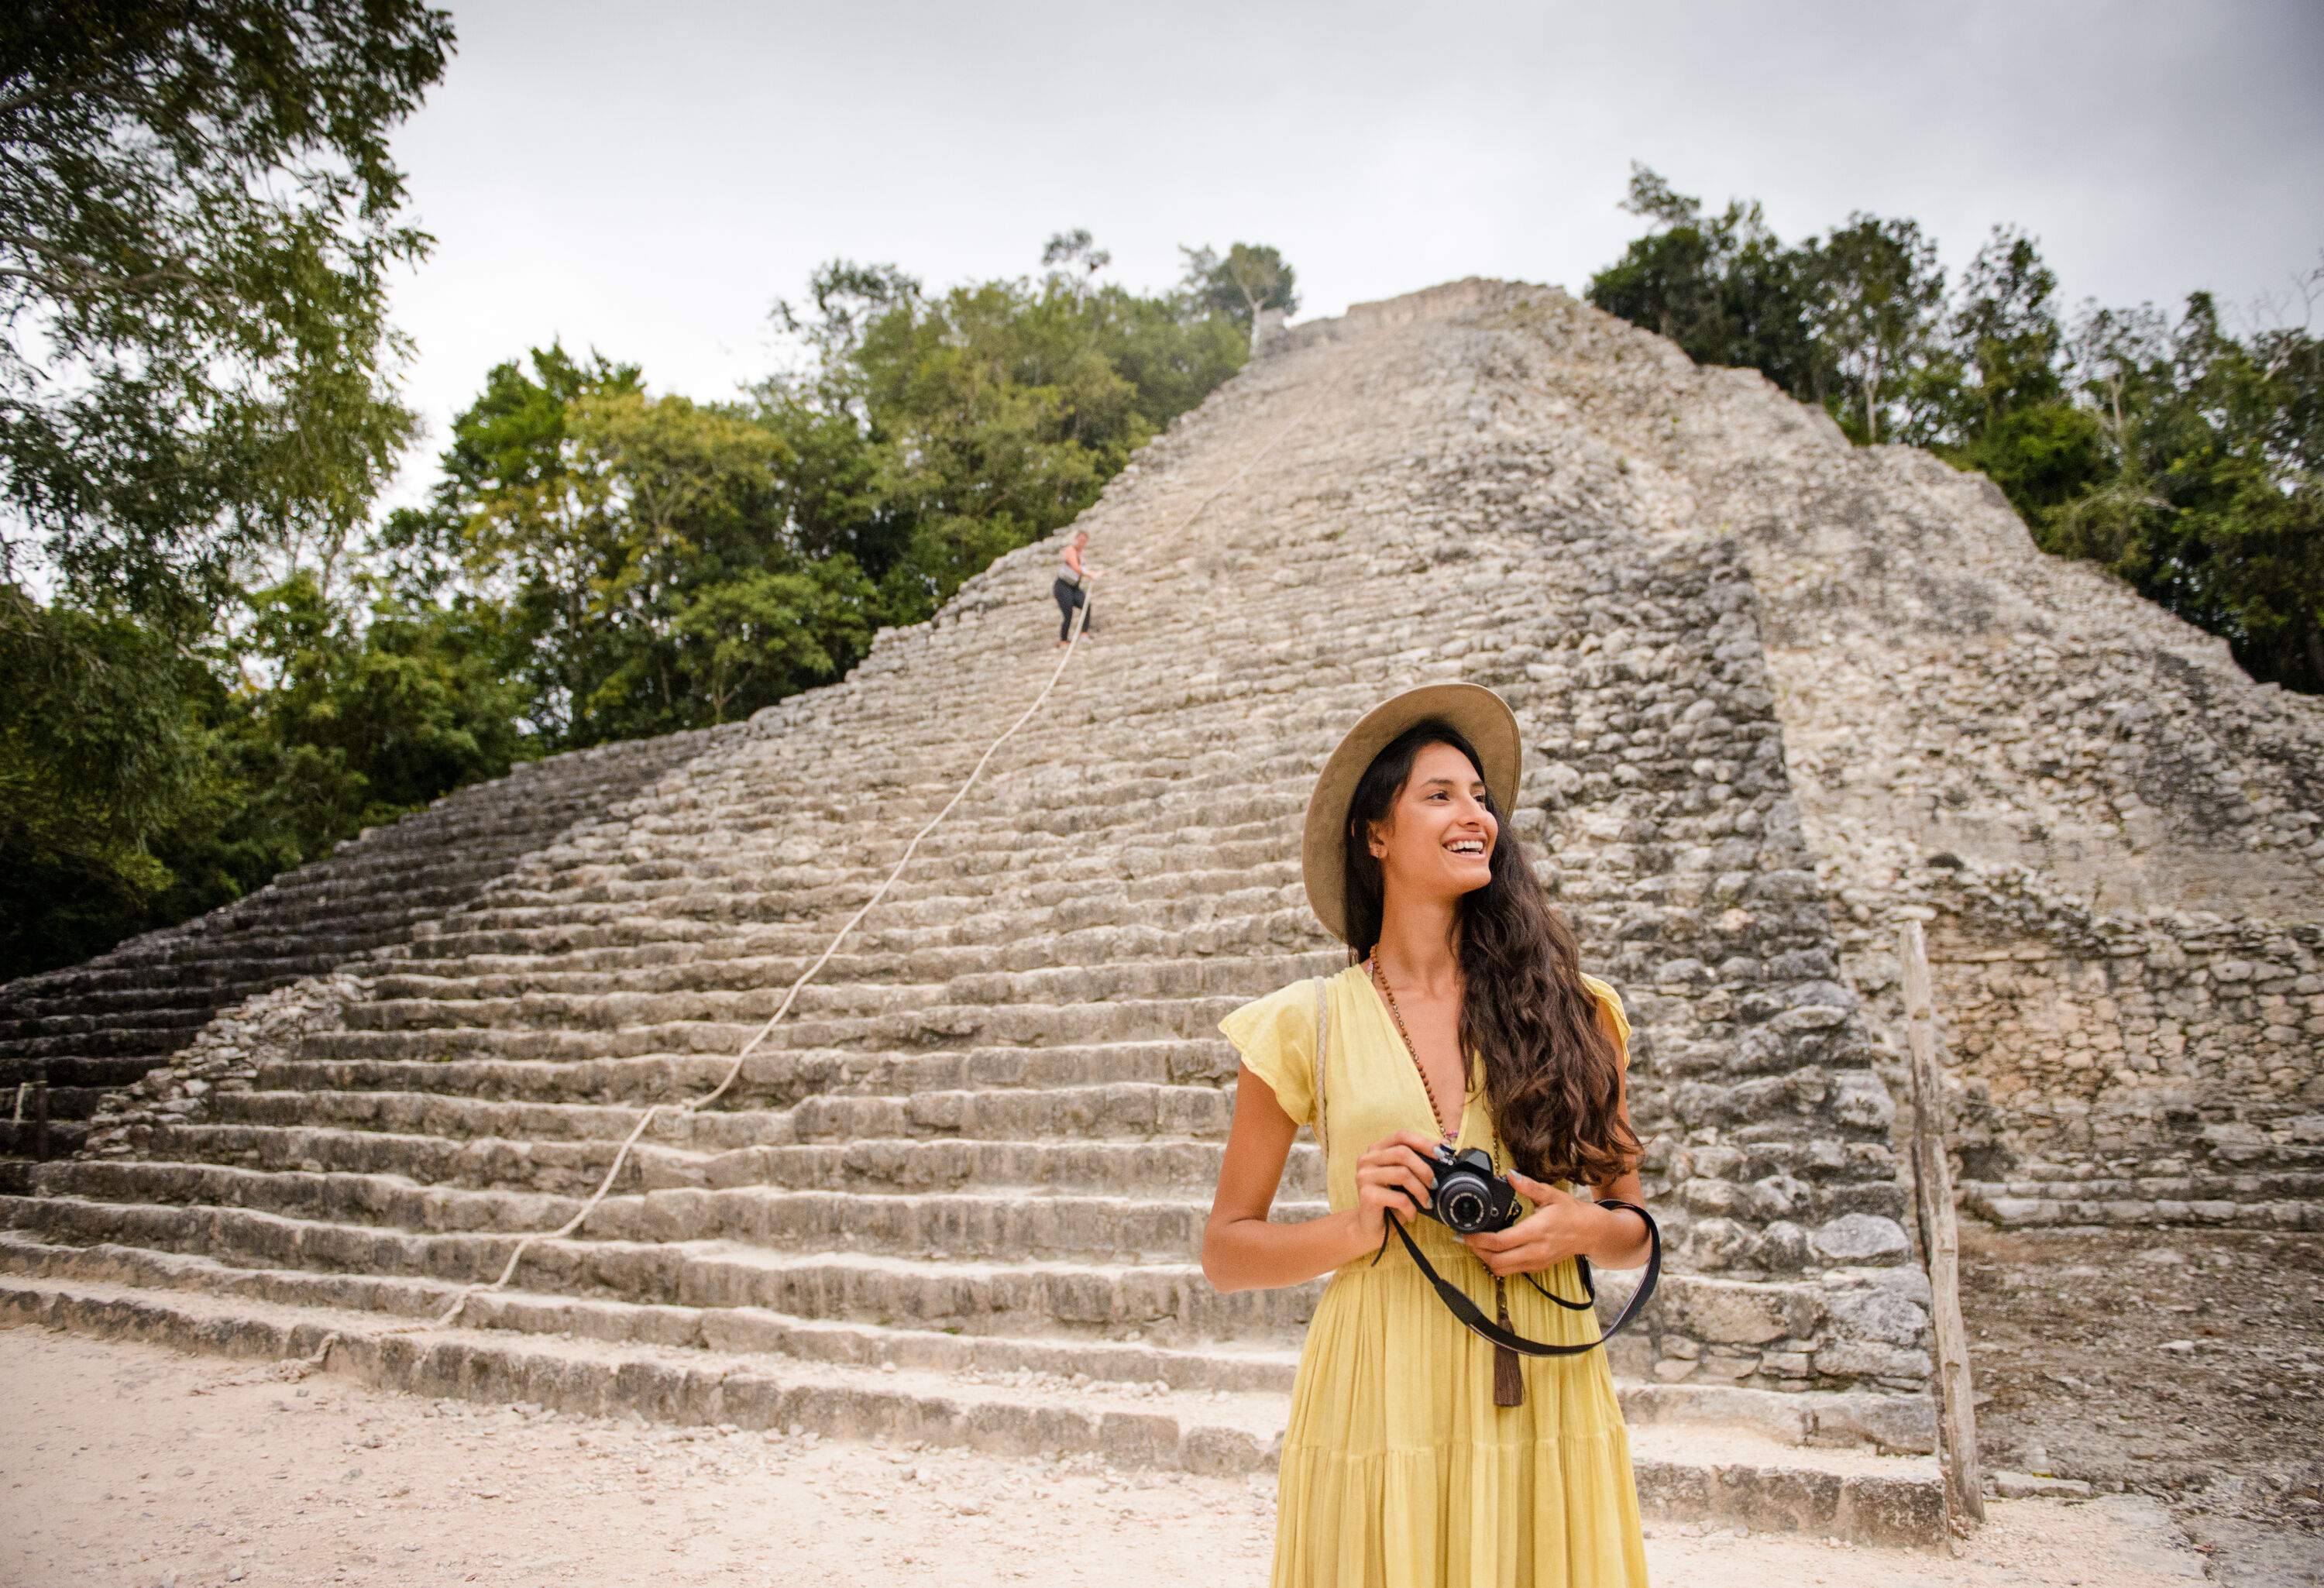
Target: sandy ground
(131,1465)
(2186,1365)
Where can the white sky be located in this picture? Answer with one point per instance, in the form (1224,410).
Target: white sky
(648,180)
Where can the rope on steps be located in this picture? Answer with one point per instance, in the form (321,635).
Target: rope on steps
(508,1270)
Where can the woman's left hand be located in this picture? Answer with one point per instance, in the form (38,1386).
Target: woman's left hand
(1558,1226)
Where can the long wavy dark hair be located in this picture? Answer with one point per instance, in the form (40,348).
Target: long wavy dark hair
(1552,1073)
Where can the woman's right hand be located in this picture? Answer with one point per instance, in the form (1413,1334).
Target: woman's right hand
(1393,1175)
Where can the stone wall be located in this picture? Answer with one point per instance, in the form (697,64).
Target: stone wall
(2117,1069)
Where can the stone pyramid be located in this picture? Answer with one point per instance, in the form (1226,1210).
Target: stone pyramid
(958,1192)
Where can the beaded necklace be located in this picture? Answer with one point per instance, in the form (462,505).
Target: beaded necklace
(1380,980)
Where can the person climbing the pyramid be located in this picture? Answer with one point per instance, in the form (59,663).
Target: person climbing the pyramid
(1072,589)
(1453,1421)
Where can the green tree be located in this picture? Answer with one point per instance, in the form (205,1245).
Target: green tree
(1251,276)
(100,758)
(762,635)
(197,217)
(1075,258)
(610,527)
(1724,289)
(2214,502)
(1990,392)
(1877,292)
(355,723)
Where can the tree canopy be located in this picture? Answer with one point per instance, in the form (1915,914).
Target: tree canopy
(197,215)
(1248,278)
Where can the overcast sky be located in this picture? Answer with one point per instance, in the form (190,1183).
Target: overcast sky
(648,180)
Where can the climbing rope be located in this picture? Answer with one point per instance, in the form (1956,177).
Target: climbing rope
(646,1120)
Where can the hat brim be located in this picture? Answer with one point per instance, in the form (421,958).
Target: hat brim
(1481,717)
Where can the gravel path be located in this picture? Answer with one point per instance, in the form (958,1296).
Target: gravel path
(131,1465)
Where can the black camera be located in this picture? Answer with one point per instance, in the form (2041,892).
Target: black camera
(1469,1195)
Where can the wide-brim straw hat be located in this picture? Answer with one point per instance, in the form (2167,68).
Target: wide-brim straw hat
(1482,718)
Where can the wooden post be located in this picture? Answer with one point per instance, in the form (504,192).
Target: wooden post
(1933,1202)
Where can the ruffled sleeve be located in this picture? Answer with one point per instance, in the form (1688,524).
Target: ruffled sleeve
(1276,1037)
(1612,1002)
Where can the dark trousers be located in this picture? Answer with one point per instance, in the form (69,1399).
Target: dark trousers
(1067,599)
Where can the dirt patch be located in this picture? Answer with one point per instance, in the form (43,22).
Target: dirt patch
(133,1465)
(2186,1365)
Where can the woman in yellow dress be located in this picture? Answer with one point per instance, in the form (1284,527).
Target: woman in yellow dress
(1405,1465)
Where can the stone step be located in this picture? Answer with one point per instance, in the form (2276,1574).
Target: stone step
(923,951)
(1122,1111)
(1167,1303)
(1226,823)
(1111,961)
(940,1029)
(21,1139)
(65,1103)
(620,1026)
(941,1260)
(1219,1368)
(613,1007)
(777,1079)
(1821,1417)
(914,895)
(577,1167)
(172,988)
(142,1034)
(2258,1202)
(94,1074)
(866,983)
(1025,790)
(1265,920)
(369,888)
(138,994)
(1685,1470)
(984,1224)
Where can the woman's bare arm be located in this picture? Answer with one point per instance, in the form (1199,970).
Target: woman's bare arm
(1243,1250)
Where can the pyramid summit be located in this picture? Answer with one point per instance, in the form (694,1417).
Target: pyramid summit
(1777,692)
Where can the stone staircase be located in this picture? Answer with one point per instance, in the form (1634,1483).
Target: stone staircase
(957,1193)
(109,1021)
(2237,1175)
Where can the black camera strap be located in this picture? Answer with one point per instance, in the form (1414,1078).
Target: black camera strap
(1468,1312)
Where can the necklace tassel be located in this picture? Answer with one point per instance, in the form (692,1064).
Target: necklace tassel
(1508,1376)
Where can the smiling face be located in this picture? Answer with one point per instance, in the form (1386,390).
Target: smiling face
(1437,840)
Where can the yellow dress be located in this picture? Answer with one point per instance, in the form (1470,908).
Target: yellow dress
(1397,1470)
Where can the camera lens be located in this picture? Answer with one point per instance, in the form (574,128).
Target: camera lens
(1464,1210)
